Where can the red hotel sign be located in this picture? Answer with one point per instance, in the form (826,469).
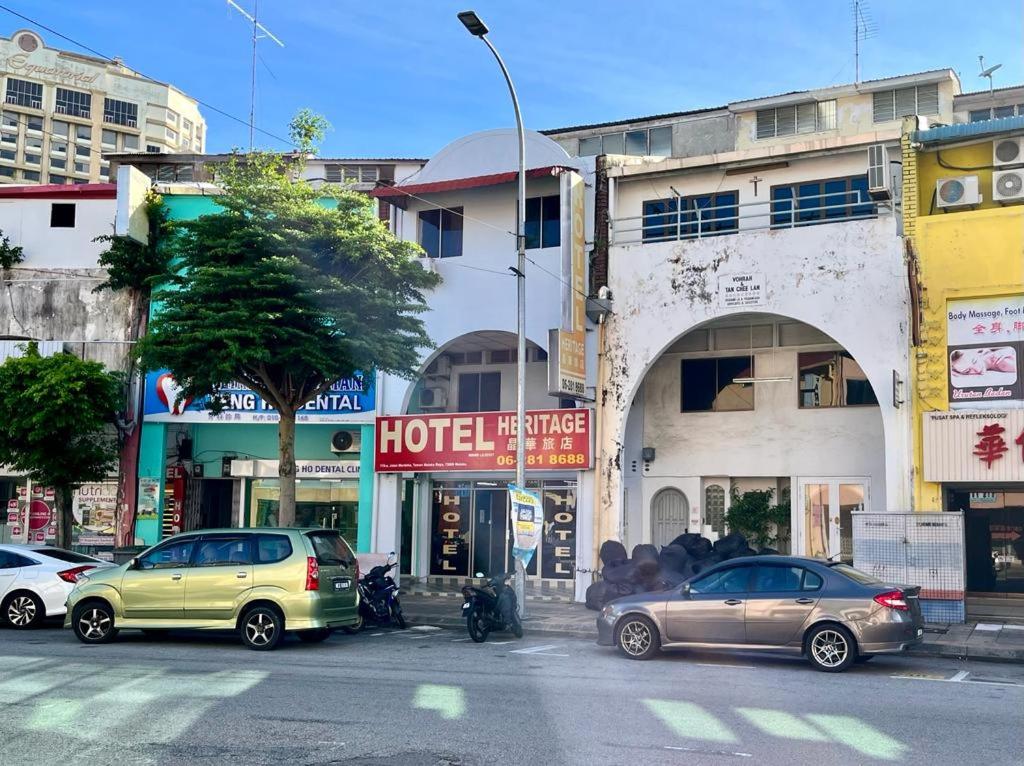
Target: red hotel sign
(556,440)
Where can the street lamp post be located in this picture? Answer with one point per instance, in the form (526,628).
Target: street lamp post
(477,28)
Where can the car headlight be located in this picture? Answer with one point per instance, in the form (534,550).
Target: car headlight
(607,611)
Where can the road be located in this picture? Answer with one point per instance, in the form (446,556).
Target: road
(429,697)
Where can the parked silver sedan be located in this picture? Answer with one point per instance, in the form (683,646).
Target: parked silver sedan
(830,612)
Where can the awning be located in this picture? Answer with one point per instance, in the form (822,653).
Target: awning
(399,194)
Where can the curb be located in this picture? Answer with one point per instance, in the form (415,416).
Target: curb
(533,630)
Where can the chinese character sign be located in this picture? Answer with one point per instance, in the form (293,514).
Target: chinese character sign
(985,352)
(991,446)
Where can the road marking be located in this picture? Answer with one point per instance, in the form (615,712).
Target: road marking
(459,640)
(987,626)
(500,643)
(425,628)
(374,635)
(1013,627)
(959,676)
(708,752)
(725,665)
(534,649)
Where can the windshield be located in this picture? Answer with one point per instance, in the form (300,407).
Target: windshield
(855,574)
(331,548)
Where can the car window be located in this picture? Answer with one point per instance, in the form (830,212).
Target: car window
(331,548)
(812,581)
(173,554)
(855,574)
(222,551)
(62,555)
(272,548)
(777,579)
(12,560)
(731,580)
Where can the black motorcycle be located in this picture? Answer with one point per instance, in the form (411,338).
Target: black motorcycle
(491,607)
(378,598)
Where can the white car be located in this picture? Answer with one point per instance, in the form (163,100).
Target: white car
(35,581)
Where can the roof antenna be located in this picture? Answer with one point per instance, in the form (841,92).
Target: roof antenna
(256,36)
(988,73)
(864,27)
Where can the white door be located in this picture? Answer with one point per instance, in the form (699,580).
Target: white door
(823,514)
(670,516)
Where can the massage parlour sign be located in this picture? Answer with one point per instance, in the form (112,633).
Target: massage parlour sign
(985,352)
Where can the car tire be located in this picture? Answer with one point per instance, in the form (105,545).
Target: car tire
(93,622)
(315,636)
(637,637)
(23,610)
(830,648)
(262,628)
(355,628)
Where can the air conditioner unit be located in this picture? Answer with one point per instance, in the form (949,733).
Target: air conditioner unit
(879,181)
(60,109)
(1008,185)
(433,398)
(344,441)
(1008,151)
(957,192)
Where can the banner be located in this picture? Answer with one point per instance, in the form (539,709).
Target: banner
(985,352)
(527,522)
(556,440)
(567,368)
(95,510)
(346,398)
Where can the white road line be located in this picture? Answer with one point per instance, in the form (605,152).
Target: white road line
(459,640)
(708,752)
(500,643)
(959,676)
(725,665)
(534,649)
(374,635)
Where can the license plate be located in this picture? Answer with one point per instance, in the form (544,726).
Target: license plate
(340,585)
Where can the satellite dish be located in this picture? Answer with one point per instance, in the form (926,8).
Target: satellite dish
(987,72)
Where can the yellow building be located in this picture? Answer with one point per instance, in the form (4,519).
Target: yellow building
(63,111)
(963,189)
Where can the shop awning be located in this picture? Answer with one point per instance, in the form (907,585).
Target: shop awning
(398,195)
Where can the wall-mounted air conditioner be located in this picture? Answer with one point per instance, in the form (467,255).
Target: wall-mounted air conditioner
(957,192)
(1008,151)
(345,441)
(433,398)
(1008,185)
(879,174)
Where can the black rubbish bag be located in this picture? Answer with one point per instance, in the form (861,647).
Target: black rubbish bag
(741,553)
(731,543)
(699,548)
(612,552)
(620,573)
(674,558)
(596,595)
(769,552)
(645,570)
(644,552)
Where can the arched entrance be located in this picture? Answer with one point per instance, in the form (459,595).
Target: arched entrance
(670,516)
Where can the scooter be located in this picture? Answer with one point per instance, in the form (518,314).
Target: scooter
(378,598)
(491,607)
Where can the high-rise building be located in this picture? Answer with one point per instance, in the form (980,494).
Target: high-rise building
(62,111)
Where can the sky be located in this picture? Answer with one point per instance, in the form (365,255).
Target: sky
(403,78)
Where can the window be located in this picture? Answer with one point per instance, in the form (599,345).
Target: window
(109,138)
(33,123)
(82,167)
(151,148)
(821,201)
(82,151)
(441,232)
(24,93)
(34,143)
(222,551)
(172,135)
(58,147)
(810,117)
(74,102)
(684,217)
(120,112)
(656,141)
(543,221)
(30,175)
(812,581)
(12,560)
(56,179)
(169,555)
(8,154)
(331,549)
(272,548)
(83,133)
(590,147)
(777,579)
(714,508)
(104,171)
(62,555)
(186,126)
(130,141)
(58,163)
(10,120)
(661,141)
(32,159)
(61,128)
(479,391)
(62,215)
(172,116)
(730,580)
(904,102)
(832,379)
(1002,112)
(9,138)
(707,384)
(6,172)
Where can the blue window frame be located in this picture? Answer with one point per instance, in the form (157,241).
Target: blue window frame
(543,222)
(813,202)
(701,215)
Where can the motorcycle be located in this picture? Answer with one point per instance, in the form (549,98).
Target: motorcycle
(378,598)
(491,607)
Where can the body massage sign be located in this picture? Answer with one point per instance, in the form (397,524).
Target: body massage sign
(985,352)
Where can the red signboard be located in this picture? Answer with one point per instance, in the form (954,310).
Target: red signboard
(556,440)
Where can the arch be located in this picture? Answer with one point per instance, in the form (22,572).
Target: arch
(714,508)
(670,515)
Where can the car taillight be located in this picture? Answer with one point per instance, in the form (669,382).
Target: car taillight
(894,599)
(72,575)
(312,574)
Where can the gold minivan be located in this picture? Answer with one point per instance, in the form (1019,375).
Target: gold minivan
(259,582)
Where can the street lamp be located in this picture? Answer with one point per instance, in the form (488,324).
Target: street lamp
(477,28)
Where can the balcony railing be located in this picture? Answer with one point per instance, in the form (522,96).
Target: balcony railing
(718,220)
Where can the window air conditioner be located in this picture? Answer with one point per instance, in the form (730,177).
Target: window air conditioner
(957,192)
(879,185)
(1008,185)
(1008,151)
(433,398)
(344,441)
(60,109)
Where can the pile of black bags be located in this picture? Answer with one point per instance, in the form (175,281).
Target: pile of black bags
(651,570)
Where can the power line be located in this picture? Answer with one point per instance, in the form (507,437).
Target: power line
(92,50)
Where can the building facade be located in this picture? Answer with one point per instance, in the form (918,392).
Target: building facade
(63,111)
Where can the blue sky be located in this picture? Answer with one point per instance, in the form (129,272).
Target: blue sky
(403,78)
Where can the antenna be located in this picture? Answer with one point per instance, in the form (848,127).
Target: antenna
(256,36)
(864,27)
(988,72)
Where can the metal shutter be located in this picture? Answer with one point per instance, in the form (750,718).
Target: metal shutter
(882,106)
(906,102)
(766,123)
(928,99)
(785,121)
(806,118)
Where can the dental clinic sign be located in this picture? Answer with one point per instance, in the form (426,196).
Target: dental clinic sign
(346,399)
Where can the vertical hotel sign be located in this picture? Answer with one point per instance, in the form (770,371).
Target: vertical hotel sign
(567,369)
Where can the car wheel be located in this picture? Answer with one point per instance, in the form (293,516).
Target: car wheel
(24,610)
(831,648)
(355,628)
(637,637)
(262,628)
(315,636)
(93,623)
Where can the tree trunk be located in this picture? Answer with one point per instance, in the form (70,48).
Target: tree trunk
(65,515)
(286,467)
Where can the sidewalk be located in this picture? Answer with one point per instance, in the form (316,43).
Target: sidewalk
(991,641)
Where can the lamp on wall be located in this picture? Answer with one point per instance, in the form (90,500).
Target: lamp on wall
(647,454)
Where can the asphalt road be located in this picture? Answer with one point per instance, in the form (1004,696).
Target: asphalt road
(431,698)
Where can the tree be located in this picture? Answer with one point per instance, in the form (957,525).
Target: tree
(10,255)
(288,293)
(306,130)
(753,515)
(57,423)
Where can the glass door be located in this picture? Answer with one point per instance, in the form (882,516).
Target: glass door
(825,516)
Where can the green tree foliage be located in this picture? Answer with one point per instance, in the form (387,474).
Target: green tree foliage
(306,130)
(287,293)
(132,265)
(754,516)
(10,255)
(57,423)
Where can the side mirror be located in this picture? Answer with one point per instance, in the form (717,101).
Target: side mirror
(686,589)
(133,564)
(391,554)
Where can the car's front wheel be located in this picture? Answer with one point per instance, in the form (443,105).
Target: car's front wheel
(93,622)
(831,648)
(23,610)
(637,637)
(262,628)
